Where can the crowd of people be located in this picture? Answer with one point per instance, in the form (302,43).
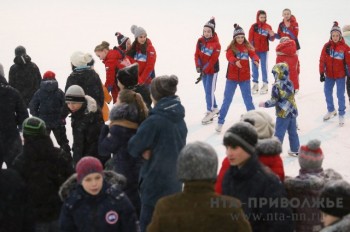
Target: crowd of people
(129,168)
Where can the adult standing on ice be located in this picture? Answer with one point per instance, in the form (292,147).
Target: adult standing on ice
(207,64)
(334,60)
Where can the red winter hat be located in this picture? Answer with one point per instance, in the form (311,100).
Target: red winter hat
(49,75)
(311,155)
(86,166)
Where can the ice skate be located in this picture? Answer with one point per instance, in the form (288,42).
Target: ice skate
(255,88)
(218,128)
(209,116)
(329,115)
(264,89)
(293,153)
(341,120)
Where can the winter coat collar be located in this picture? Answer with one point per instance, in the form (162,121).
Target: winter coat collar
(90,106)
(124,123)
(22,60)
(287,48)
(247,170)
(269,147)
(340,226)
(199,186)
(169,107)
(49,85)
(112,178)
(213,39)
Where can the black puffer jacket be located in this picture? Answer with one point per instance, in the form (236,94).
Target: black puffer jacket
(90,81)
(48,103)
(44,168)
(25,77)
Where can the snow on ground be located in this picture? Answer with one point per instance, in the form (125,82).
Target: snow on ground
(52,30)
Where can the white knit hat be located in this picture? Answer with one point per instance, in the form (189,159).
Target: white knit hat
(263,123)
(137,31)
(2,71)
(79,59)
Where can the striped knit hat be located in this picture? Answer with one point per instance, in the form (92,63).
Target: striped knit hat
(238,30)
(311,155)
(33,126)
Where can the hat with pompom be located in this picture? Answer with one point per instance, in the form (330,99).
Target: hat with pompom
(238,30)
(79,59)
(263,123)
(121,39)
(88,165)
(164,86)
(311,155)
(211,24)
(336,28)
(49,75)
(138,31)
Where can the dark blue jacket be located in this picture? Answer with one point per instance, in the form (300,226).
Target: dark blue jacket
(251,183)
(48,103)
(164,132)
(114,141)
(109,211)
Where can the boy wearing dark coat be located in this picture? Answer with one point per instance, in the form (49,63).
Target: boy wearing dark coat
(24,75)
(336,214)
(308,184)
(44,168)
(251,184)
(159,140)
(86,121)
(93,201)
(48,104)
(198,208)
(12,113)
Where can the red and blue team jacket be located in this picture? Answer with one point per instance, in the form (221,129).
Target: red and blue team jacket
(207,54)
(259,35)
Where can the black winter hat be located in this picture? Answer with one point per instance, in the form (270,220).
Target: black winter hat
(211,24)
(164,86)
(121,38)
(238,30)
(20,51)
(124,111)
(128,76)
(335,198)
(33,126)
(242,134)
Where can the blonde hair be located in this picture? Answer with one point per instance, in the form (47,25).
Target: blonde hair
(104,45)
(131,97)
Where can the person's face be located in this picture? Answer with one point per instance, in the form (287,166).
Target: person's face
(335,36)
(128,44)
(328,219)
(74,106)
(286,15)
(142,39)
(101,54)
(262,18)
(240,39)
(207,32)
(236,156)
(92,183)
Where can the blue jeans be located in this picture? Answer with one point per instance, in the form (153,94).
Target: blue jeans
(209,83)
(328,92)
(288,124)
(263,65)
(145,216)
(230,89)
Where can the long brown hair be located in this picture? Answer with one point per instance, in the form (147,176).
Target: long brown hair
(131,97)
(104,45)
(233,47)
(132,51)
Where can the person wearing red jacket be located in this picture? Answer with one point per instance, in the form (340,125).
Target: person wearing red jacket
(288,27)
(113,61)
(143,52)
(287,52)
(260,34)
(268,147)
(207,64)
(238,73)
(334,63)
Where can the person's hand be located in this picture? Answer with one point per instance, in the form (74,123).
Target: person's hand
(109,88)
(147,154)
(199,70)
(271,33)
(322,77)
(256,63)
(262,104)
(238,64)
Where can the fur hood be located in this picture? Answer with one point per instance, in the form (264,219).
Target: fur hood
(341,226)
(311,181)
(269,147)
(91,105)
(111,177)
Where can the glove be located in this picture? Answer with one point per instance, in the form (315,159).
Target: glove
(322,78)
(199,70)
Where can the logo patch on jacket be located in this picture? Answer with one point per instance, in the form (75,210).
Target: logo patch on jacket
(112,217)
